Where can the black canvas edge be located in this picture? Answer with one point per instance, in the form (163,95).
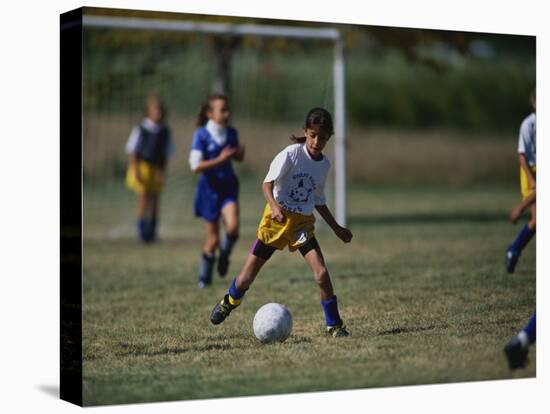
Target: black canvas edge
(71,206)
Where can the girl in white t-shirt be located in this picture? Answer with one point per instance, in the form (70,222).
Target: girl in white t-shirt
(293,188)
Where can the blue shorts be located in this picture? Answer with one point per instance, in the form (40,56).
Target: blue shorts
(209,201)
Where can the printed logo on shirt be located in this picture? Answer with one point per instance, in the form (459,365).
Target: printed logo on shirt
(301,188)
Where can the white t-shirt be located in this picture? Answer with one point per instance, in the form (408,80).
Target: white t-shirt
(131,145)
(299,179)
(527,143)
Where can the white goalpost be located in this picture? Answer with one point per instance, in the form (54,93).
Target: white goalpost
(338,70)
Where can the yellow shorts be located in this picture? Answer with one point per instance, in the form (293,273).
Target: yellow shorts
(524,183)
(150,182)
(294,232)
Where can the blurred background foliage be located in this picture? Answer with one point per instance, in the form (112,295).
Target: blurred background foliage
(423,106)
(395,76)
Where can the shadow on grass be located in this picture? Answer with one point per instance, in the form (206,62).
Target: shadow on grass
(341,276)
(132,242)
(473,217)
(143,350)
(408,329)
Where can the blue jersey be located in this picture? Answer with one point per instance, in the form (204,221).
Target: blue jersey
(219,185)
(222,175)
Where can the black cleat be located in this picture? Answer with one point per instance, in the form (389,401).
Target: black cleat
(221,310)
(338,331)
(223,264)
(516,354)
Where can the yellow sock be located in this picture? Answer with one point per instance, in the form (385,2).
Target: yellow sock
(234,302)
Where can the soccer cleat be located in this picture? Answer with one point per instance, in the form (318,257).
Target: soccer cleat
(221,310)
(516,354)
(223,264)
(511,261)
(338,331)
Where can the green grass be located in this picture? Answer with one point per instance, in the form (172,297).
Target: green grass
(422,289)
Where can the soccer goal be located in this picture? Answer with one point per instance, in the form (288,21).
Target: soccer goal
(273,83)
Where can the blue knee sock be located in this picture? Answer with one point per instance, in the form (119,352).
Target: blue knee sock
(330,307)
(206,266)
(227,244)
(141,229)
(531,328)
(152,229)
(523,237)
(149,229)
(235,295)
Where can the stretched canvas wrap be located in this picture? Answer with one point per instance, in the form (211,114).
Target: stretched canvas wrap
(378,182)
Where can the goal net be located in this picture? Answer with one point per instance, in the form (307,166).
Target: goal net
(273,76)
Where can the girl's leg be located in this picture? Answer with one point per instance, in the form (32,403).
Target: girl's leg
(230,214)
(212,237)
(208,258)
(141,220)
(250,270)
(522,239)
(152,220)
(154,205)
(142,205)
(517,349)
(315,260)
(240,284)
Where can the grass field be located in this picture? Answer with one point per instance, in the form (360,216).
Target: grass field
(422,289)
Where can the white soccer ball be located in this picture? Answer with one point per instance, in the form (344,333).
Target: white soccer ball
(272,323)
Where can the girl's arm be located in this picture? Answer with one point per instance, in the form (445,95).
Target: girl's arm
(133,160)
(277,212)
(225,154)
(239,154)
(341,232)
(524,164)
(131,150)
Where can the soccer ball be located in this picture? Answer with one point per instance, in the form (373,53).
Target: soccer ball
(272,323)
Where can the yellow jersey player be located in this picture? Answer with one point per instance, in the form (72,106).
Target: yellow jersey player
(149,147)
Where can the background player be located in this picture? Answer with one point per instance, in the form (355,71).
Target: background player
(293,187)
(149,147)
(527,149)
(215,144)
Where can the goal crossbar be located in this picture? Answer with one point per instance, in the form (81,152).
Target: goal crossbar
(334,35)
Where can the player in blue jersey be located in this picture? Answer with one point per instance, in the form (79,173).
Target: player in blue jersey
(149,147)
(215,145)
(527,149)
